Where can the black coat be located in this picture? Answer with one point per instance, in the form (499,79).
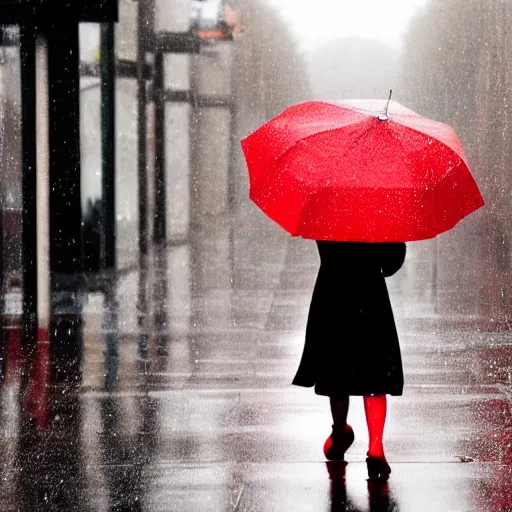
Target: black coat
(351,345)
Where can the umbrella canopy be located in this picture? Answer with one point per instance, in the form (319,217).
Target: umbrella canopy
(359,170)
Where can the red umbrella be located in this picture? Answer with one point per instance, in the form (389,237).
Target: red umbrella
(359,170)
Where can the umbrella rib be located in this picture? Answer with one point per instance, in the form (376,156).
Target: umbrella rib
(373,113)
(296,143)
(399,140)
(440,141)
(363,133)
(394,135)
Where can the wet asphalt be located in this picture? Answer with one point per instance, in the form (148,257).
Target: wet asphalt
(169,390)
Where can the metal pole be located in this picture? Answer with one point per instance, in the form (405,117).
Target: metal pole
(29,212)
(2,43)
(160,213)
(42,189)
(193,126)
(65,188)
(142,129)
(435,285)
(108,143)
(110,329)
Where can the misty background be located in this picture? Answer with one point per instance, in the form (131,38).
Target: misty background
(446,60)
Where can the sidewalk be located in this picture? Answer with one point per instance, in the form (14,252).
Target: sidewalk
(183,399)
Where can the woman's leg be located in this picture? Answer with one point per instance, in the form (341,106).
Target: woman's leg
(339,410)
(375,408)
(342,434)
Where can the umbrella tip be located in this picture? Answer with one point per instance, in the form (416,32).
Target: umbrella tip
(384,116)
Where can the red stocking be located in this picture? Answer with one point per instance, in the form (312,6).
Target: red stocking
(375,410)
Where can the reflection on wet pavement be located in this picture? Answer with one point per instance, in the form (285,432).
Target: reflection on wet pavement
(170,390)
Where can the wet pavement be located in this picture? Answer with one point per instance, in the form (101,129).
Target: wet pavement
(170,391)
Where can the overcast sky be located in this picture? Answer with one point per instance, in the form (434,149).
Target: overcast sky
(315,21)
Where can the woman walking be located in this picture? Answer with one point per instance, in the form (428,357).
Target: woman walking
(369,171)
(351,346)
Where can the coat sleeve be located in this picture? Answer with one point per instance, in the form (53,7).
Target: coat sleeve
(392,257)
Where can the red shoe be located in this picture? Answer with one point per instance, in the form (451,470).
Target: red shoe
(338,443)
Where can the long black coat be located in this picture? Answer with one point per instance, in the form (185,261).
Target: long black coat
(351,345)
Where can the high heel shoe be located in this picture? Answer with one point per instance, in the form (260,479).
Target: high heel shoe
(338,443)
(378,469)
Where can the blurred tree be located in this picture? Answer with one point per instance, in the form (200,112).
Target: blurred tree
(353,67)
(456,69)
(268,68)
(268,74)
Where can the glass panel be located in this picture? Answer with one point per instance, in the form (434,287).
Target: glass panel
(10,155)
(90,143)
(127,180)
(127,198)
